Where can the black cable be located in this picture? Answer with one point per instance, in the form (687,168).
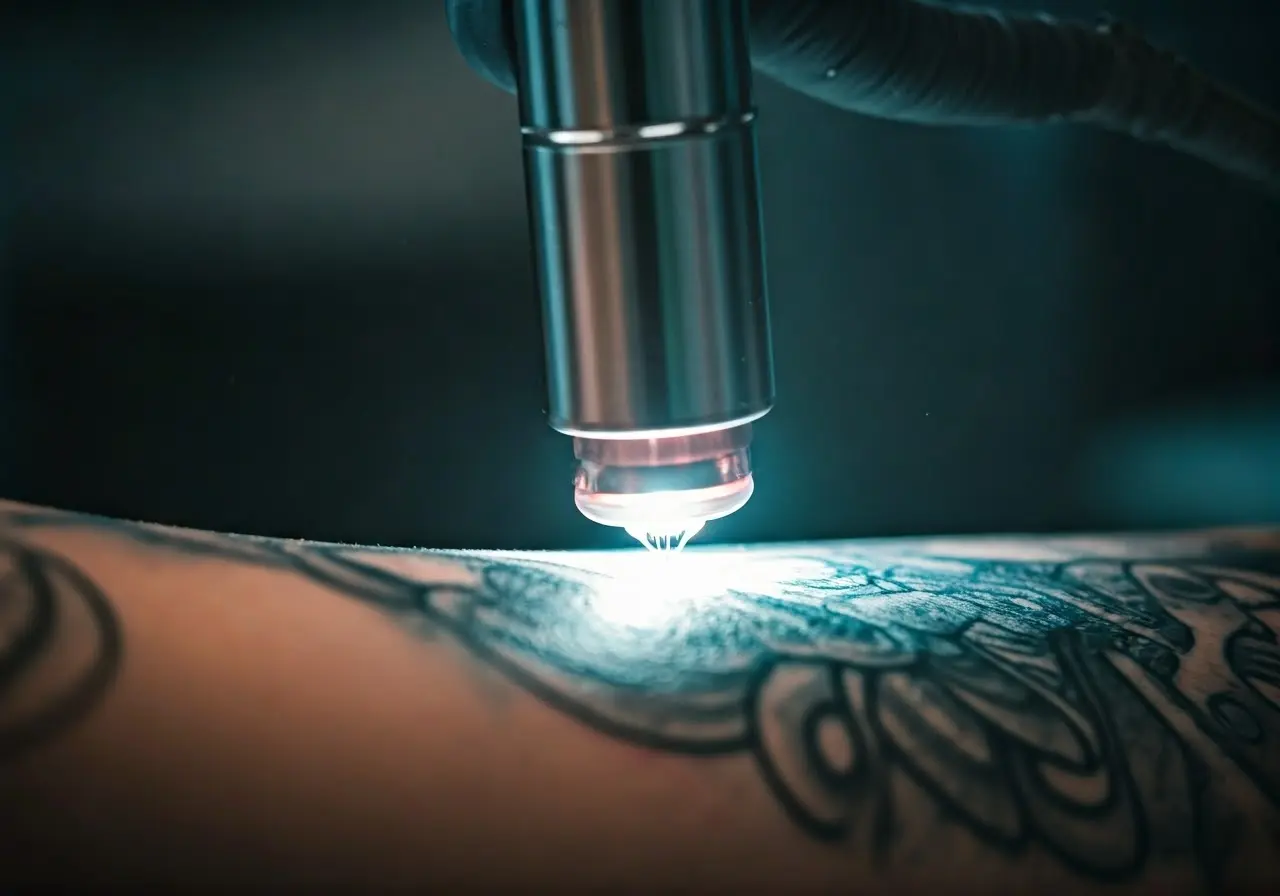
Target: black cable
(914,61)
(921,62)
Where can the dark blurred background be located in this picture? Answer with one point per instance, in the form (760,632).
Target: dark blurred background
(265,269)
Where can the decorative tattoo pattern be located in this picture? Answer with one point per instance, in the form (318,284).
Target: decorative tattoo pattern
(1112,713)
(47,679)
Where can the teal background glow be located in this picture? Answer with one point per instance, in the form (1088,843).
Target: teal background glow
(266,269)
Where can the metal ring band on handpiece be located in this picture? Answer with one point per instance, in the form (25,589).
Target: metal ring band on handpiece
(699,477)
(631,136)
(663,450)
(599,479)
(694,507)
(663,433)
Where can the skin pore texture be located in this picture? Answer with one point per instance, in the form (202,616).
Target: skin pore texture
(203,710)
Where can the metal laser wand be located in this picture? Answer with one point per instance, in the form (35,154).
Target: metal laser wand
(642,185)
(641,176)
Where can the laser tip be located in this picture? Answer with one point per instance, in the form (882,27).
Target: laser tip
(665,537)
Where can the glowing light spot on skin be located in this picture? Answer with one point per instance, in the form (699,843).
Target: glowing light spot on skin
(661,591)
(657,590)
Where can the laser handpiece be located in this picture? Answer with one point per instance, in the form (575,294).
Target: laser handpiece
(642,189)
(643,197)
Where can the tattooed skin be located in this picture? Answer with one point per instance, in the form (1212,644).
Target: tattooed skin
(42,688)
(1114,712)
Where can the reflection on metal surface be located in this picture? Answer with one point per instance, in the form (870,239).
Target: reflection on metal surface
(663,490)
(641,168)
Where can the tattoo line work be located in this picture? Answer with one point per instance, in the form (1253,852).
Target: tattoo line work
(1096,709)
(42,690)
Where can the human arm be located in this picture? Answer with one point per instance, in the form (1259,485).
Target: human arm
(191,709)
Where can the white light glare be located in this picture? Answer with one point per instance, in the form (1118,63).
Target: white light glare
(666,537)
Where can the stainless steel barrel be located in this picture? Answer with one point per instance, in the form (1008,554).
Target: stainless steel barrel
(642,181)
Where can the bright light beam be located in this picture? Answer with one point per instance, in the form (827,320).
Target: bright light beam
(667,536)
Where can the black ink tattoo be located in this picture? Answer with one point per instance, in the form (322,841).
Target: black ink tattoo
(47,681)
(1105,712)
